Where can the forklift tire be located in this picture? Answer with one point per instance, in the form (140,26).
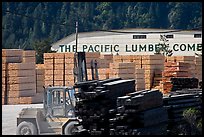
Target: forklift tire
(70,128)
(26,128)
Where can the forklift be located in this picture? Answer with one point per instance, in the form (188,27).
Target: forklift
(57,117)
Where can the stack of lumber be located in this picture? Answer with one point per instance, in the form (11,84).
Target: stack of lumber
(177,102)
(185,59)
(151,63)
(93,105)
(173,69)
(12,56)
(59,69)
(18,77)
(139,78)
(69,67)
(137,59)
(198,67)
(179,83)
(49,68)
(122,70)
(40,76)
(139,113)
(157,79)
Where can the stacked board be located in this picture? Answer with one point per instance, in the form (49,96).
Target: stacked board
(59,68)
(137,59)
(179,101)
(139,78)
(172,70)
(139,113)
(151,63)
(18,77)
(185,59)
(198,68)
(40,76)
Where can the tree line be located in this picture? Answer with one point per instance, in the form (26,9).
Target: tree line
(24,23)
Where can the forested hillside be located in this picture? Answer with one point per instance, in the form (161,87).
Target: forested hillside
(25,22)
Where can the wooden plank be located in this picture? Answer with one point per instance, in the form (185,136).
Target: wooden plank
(12,52)
(21,93)
(48,77)
(40,66)
(59,55)
(38,98)
(20,80)
(29,53)
(139,71)
(185,58)
(122,65)
(59,66)
(49,82)
(21,66)
(176,64)
(3,66)
(58,83)
(29,59)
(58,72)
(40,78)
(69,77)
(69,72)
(69,60)
(20,73)
(153,62)
(48,55)
(40,83)
(59,61)
(139,76)
(69,83)
(153,57)
(161,67)
(69,66)
(92,54)
(13,101)
(69,55)
(12,59)
(40,71)
(48,61)
(39,89)
(58,77)
(23,86)
(107,56)
(49,72)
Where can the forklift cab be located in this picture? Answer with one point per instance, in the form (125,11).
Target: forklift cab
(59,101)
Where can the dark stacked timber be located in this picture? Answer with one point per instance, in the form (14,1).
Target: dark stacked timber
(139,113)
(96,99)
(177,102)
(183,83)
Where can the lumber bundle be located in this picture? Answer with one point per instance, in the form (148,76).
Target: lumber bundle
(151,63)
(18,76)
(12,56)
(185,59)
(173,70)
(198,67)
(127,70)
(179,101)
(140,79)
(94,105)
(139,113)
(59,67)
(40,78)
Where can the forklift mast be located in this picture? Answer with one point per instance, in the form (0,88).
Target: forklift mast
(80,70)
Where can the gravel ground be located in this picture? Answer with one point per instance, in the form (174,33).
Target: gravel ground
(9,114)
